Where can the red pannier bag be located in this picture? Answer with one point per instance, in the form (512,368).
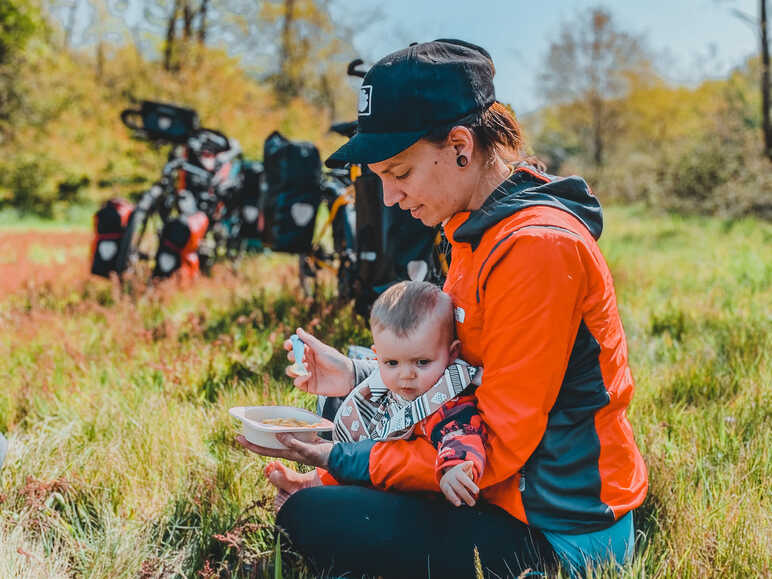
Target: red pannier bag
(107,249)
(178,250)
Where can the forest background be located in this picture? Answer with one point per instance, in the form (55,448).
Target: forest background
(608,114)
(122,461)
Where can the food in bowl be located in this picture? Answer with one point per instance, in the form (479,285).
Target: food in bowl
(289,422)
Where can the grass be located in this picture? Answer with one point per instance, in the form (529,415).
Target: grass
(74,217)
(122,461)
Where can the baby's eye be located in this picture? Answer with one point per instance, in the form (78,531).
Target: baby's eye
(403,176)
(424,362)
(391,363)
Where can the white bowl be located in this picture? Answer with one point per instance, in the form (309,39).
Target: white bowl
(264,435)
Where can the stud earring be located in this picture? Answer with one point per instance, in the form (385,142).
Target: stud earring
(461,161)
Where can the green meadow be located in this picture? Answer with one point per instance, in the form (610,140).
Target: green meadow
(122,459)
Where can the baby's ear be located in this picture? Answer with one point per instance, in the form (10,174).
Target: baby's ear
(455,349)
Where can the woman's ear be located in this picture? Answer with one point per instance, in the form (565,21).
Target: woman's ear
(462,141)
(455,349)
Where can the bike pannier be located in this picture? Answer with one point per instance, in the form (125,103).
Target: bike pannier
(249,200)
(162,121)
(391,244)
(107,248)
(293,173)
(180,239)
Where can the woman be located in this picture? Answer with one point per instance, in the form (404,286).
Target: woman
(535,306)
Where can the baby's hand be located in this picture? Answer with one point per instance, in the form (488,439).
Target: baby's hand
(457,484)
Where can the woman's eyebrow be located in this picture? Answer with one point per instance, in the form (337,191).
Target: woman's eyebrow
(390,165)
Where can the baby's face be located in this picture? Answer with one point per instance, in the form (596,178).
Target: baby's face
(412,364)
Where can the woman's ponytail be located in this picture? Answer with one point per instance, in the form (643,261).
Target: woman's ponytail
(495,130)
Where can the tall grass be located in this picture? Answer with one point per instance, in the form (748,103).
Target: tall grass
(122,461)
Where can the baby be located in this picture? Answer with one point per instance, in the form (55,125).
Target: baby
(419,389)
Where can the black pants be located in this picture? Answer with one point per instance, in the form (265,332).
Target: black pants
(355,530)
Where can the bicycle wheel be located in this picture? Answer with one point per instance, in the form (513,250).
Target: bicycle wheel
(140,241)
(306,275)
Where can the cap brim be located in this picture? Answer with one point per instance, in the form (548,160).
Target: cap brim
(372,147)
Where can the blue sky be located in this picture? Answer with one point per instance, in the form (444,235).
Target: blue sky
(693,39)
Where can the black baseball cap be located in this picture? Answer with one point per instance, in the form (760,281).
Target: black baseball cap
(412,91)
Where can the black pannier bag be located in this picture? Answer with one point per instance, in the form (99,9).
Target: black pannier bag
(162,121)
(249,200)
(293,175)
(108,252)
(391,244)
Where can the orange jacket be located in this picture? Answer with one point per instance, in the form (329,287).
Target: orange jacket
(536,308)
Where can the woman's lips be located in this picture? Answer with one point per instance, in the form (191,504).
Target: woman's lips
(414,211)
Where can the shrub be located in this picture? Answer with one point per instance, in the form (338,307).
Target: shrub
(38,184)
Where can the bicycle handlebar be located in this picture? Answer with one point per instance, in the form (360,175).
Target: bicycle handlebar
(352,69)
(126,116)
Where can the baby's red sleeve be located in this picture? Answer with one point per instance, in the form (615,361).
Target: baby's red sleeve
(458,433)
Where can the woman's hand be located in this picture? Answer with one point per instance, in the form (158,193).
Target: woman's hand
(330,373)
(315,453)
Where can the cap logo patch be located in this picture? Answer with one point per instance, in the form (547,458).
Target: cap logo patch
(365,100)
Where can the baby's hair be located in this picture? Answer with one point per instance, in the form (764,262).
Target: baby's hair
(405,305)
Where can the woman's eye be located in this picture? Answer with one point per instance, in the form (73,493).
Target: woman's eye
(403,176)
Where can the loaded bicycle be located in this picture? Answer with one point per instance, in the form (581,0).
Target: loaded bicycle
(194,214)
(210,202)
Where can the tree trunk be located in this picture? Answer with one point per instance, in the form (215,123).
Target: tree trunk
(202,21)
(285,80)
(596,99)
(597,130)
(170,33)
(765,123)
(187,20)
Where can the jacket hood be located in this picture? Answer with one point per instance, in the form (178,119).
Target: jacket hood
(528,188)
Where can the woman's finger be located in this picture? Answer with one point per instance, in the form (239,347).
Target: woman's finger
(309,339)
(264,451)
(314,453)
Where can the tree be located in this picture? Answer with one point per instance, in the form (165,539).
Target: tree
(302,27)
(760,26)
(766,125)
(586,71)
(184,14)
(19,20)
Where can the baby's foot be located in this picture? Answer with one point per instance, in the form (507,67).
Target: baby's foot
(288,481)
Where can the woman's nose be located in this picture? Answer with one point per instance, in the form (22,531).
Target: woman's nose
(391,194)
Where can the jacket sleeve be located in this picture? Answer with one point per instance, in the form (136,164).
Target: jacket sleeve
(532,290)
(458,433)
(402,465)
